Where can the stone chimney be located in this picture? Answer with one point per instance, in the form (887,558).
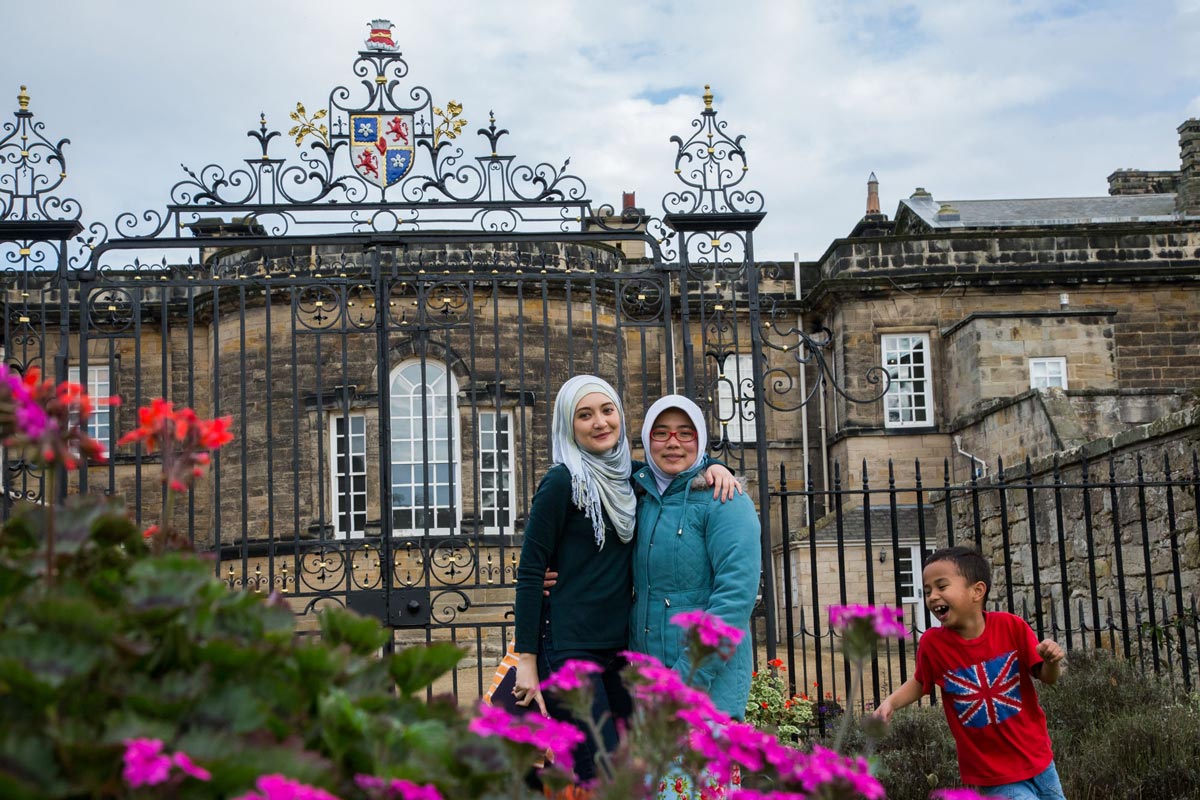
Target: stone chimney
(873,223)
(628,201)
(1187,196)
(872,195)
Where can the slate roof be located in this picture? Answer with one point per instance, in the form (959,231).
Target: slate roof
(1034,212)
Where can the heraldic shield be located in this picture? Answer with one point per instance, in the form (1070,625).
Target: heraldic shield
(381,146)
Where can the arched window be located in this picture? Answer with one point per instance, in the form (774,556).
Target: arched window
(425,448)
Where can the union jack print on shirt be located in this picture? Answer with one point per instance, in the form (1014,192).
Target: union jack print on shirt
(986,693)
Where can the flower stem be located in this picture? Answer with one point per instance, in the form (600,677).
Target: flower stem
(51,499)
(848,708)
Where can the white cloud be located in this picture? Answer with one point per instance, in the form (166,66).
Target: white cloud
(971,99)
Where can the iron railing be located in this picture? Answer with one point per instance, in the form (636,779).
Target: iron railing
(1094,559)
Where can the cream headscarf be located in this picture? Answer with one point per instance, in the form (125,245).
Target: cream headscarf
(597,481)
(687,406)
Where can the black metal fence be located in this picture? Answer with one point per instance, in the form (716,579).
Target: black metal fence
(1105,559)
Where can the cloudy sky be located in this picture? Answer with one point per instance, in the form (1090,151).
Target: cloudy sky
(971,100)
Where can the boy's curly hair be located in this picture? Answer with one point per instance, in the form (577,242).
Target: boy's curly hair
(970,563)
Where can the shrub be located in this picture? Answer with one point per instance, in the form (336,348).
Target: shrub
(770,709)
(130,645)
(1118,733)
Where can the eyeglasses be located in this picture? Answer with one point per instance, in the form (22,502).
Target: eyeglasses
(684,435)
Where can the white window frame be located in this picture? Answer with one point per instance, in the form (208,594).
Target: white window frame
(1042,373)
(911,391)
(349,501)
(497,509)
(99,389)
(440,443)
(735,398)
(911,589)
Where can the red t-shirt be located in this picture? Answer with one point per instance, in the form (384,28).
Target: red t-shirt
(989,699)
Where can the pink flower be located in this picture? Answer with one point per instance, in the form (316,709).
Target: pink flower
(886,621)
(713,631)
(396,788)
(745,744)
(47,420)
(558,738)
(661,685)
(825,767)
(145,764)
(642,659)
(185,764)
(571,676)
(863,626)
(279,787)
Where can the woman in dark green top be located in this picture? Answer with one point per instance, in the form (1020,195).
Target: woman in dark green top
(581,525)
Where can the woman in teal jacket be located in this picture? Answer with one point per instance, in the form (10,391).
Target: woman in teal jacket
(691,552)
(581,525)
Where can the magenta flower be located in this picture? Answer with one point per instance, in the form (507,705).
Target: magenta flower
(556,738)
(824,767)
(957,794)
(145,764)
(659,685)
(279,787)
(863,626)
(712,631)
(397,788)
(636,658)
(887,622)
(186,765)
(572,675)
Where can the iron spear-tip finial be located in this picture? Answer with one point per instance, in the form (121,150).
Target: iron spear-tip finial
(23,99)
(708,98)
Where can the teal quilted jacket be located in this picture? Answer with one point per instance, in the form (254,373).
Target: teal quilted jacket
(694,552)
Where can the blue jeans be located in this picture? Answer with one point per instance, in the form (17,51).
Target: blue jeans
(611,700)
(1044,786)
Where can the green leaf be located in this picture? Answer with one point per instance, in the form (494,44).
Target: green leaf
(40,662)
(363,635)
(28,768)
(13,580)
(415,668)
(158,587)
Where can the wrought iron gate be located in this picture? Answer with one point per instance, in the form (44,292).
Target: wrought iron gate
(389,339)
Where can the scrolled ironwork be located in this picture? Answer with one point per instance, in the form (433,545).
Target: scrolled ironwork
(323,569)
(453,562)
(32,167)
(111,310)
(318,307)
(445,610)
(712,165)
(642,300)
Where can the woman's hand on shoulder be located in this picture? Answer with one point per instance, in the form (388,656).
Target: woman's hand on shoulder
(723,482)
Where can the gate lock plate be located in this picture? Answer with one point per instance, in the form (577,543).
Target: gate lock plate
(407,608)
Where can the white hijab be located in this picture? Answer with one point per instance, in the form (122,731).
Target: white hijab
(597,481)
(687,406)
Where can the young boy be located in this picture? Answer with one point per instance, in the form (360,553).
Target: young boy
(984,662)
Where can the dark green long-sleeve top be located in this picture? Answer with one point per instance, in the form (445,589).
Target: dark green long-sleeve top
(590,605)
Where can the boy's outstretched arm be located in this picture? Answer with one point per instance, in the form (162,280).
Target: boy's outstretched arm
(1052,661)
(908,693)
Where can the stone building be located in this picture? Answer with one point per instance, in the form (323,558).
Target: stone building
(1052,330)
(391,381)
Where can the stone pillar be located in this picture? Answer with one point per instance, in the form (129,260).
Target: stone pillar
(1187,197)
